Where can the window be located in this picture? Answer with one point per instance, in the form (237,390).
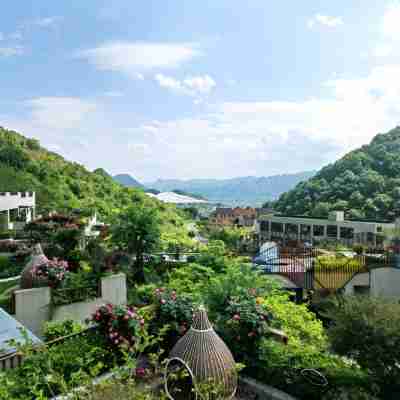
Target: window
(276,227)
(264,225)
(379,229)
(318,230)
(292,228)
(331,231)
(346,233)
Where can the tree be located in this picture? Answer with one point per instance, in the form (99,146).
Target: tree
(367,330)
(137,231)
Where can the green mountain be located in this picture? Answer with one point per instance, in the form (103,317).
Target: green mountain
(365,183)
(59,184)
(128,181)
(249,190)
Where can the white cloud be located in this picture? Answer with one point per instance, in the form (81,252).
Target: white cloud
(46,22)
(139,149)
(247,137)
(11,51)
(200,84)
(383,50)
(113,93)
(60,112)
(191,86)
(133,58)
(390,23)
(324,20)
(169,83)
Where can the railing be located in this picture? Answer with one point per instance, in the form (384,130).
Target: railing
(60,297)
(307,269)
(15,359)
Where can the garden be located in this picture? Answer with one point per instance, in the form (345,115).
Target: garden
(273,340)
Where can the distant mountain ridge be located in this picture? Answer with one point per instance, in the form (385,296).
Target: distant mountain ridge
(128,181)
(249,190)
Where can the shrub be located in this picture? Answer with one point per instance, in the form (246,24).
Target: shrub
(377,322)
(191,279)
(174,310)
(242,324)
(56,329)
(238,280)
(120,325)
(47,372)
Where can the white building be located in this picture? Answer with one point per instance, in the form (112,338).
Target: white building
(309,229)
(204,207)
(16,209)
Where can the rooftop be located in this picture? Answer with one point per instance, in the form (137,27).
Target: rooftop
(10,329)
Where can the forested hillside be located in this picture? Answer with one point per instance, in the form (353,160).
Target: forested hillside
(365,183)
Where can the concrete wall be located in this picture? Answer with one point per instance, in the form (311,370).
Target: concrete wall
(385,282)
(113,289)
(77,311)
(32,306)
(361,279)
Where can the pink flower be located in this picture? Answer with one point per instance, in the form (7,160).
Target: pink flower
(251,334)
(142,322)
(163,301)
(236,317)
(140,372)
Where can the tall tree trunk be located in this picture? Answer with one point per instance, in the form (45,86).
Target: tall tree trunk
(139,269)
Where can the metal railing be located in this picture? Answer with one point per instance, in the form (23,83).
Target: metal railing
(60,297)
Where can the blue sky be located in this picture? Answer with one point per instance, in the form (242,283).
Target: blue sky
(190,89)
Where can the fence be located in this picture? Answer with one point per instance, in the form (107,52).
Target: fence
(310,268)
(60,297)
(15,359)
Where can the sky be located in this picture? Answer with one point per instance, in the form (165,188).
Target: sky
(200,89)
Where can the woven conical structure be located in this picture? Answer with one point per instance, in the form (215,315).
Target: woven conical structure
(28,280)
(206,356)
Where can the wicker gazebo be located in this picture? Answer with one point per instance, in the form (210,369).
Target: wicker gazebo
(28,279)
(205,358)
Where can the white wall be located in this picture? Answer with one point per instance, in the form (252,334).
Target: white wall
(32,306)
(11,202)
(361,279)
(385,282)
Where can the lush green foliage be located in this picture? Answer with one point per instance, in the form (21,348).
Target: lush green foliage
(49,371)
(137,231)
(59,184)
(57,329)
(368,331)
(364,183)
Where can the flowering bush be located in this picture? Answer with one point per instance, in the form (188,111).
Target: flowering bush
(244,322)
(121,325)
(174,310)
(52,271)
